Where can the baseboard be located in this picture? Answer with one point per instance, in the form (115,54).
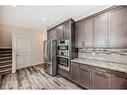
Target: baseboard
(30,65)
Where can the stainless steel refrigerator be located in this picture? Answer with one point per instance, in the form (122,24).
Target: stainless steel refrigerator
(49,57)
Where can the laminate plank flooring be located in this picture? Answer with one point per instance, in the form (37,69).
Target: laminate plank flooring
(34,78)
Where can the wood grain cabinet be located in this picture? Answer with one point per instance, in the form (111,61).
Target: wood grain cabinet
(92,77)
(64,73)
(100,30)
(119,80)
(75,72)
(117,28)
(88,33)
(84,76)
(79,34)
(51,34)
(60,31)
(81,74)
(84,33)
(66,33)
(101,79)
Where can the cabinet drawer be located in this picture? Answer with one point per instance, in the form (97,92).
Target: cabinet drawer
(74,64)
(82,66)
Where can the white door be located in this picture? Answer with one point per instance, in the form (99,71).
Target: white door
(23,52)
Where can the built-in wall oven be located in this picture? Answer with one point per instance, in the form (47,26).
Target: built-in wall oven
(63,61)
(63,53)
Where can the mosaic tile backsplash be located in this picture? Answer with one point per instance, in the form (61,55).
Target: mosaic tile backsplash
(113,55)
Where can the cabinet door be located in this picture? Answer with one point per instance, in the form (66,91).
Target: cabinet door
(119,80)
(51,34)
(75,72)
(64,73)
(88,33)
(101,80)
(116,28)
(85,77)
(59,31)
(100,30)
(79,34)
(67,30)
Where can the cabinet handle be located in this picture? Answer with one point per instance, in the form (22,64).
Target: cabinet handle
(101,70)
(101,74)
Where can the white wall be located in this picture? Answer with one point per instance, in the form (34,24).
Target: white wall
(37,45)
(5,36)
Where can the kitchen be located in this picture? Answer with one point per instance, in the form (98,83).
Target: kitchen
(95,58)
(85,53)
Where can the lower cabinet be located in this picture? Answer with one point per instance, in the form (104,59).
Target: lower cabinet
(75,73)
(81,75)
(84,76)
(64,73)
(119,80)
(92,77)
(101,79)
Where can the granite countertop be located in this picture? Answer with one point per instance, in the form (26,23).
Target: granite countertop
(103,64)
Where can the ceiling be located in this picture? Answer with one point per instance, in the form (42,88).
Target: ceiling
(39,17)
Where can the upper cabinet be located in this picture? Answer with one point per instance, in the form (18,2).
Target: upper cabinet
(79,34)
(84,33)
(106,29)
(88,33)
(51,34)
(117,28)
(100,30)
(66,27)
(60,31)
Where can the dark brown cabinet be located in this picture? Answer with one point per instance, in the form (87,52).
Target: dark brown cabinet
(64,73)
(81,74)
(119,80)
(84,33)
(75,72)
(117,32)
(60,31)
(92,77)
(51,34)
(100,30)
(79,34)
(88,33)
(101,79)
(66,33)
(84,76)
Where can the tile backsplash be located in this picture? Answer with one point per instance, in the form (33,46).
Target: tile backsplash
(113,55)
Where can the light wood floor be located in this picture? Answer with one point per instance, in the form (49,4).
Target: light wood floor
(34,78)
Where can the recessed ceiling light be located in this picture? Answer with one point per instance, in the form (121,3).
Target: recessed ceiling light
(44,19)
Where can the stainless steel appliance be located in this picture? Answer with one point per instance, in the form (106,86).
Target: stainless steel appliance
(63,55)
(50,65)
(63,61)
